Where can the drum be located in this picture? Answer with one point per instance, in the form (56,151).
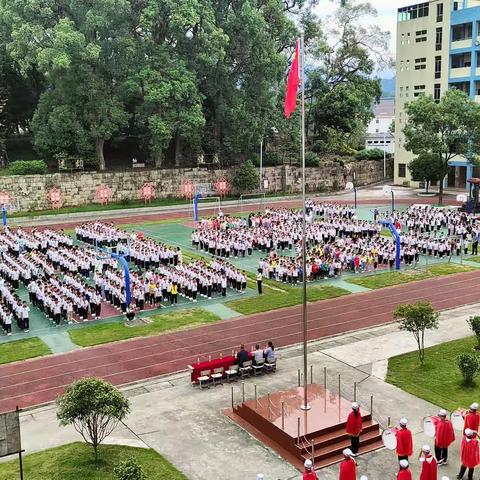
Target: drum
(428,427)
(457,420)
(389,439)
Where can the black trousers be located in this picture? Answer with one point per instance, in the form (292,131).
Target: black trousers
(441,453)
(463,469)
(259,286)
(355,441)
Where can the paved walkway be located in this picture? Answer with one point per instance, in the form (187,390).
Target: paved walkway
(188,426)
(39,381)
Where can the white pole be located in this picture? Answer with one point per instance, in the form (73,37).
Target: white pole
(305,405)
(261,163)
(384,157)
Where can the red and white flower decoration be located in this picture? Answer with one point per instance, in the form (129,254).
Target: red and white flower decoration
(148,192)
(104,194)
(5,199)
(222,186)
(55,197)
(188,189)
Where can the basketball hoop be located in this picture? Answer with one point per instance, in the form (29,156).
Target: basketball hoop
(461,198)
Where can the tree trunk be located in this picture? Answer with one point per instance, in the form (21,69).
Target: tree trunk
(440,192)
(95,450)
(427,184)
(178,150)
(158,157)
(99,144)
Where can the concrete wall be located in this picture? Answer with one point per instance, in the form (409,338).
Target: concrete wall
(30,191)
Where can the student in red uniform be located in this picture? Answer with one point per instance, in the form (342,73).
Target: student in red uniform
(469,454)
(348,467)
(404,441)
(354,426)
(309,472)
(404,473)
(472,418)
(429,464)
(444,437)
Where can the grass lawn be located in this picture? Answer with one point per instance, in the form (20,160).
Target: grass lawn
(23,349)
(439,381)
(161,323)
(277,295)
(75,462)
(389,279)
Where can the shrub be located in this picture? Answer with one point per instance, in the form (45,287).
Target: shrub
(27,167)
(129,469)
(245,178)
(312,159)
(474,324)
(468,364)
(370,154)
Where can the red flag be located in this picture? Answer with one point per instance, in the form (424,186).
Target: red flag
(292,86)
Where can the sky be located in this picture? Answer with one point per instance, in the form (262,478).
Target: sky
(386,18)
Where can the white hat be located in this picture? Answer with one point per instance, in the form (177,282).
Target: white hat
(363,477)
(425,448)
(260,476)
(474,406)
(355,405)
(403,421)
(308,464)
(468,432)
(403,463)
(347,453)
(442,413)
(445,478)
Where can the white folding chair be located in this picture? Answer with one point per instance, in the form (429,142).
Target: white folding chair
(258,367)
(245,369)
(204,379)
(270,365)
(231,373)
(217,376)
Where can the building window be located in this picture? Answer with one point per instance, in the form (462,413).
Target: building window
(461,60)
(462,32)
(413,11)
(439,12)
(402,170)
(438,67)
(421,36)
(436,92)
(438,38)
(419,87)
(421,39)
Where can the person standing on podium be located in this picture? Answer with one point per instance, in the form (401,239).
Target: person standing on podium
(354,427)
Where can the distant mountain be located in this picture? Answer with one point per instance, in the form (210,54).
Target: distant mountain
(388,87)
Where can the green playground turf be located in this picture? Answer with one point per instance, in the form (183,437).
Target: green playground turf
(22,350)
(75,462)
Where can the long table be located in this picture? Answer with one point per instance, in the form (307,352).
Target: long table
(225,362)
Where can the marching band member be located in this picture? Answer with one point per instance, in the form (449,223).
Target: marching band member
(469,455)
(472,418)
(404,441)
(354,427)
(429,464)
(444,437)
(404,473)
(348,467)
(309,472)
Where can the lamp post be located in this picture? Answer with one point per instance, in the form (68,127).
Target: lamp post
(384,157)
(352,186)
(274,131)
(388,190)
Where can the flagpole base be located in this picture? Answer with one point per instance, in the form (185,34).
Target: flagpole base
(306,407)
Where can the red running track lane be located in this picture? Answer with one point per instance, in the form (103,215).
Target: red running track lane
(35,382)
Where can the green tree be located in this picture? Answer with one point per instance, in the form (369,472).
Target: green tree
(94,407)
(426,168)
(129,469)
(245,178)
(417,318)
(468,364)
(442,130)
(474,324)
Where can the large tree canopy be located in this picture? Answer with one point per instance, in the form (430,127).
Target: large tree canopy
(181,77)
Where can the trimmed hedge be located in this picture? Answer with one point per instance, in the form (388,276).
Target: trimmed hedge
(370,154)
(27,167)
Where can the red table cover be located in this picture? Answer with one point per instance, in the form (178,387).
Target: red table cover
(224,362)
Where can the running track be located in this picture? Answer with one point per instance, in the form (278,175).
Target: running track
(35,382)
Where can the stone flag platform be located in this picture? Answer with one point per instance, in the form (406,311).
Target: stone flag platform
(278,421)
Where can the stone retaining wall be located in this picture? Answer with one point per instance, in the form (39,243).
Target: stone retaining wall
(31,191)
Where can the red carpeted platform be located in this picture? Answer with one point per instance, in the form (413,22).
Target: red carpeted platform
(319,433)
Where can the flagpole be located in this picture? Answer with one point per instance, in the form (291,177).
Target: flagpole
(305,405)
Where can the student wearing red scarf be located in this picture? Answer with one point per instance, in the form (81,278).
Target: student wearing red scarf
(348,467)
(404,441)
(444,436)
(404,473)
(429,464)
(354,426)
(472,418)
(309,472)
(469,454)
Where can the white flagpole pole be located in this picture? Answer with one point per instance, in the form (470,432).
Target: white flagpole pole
(305,405)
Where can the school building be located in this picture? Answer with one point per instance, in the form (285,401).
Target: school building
(438,47)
